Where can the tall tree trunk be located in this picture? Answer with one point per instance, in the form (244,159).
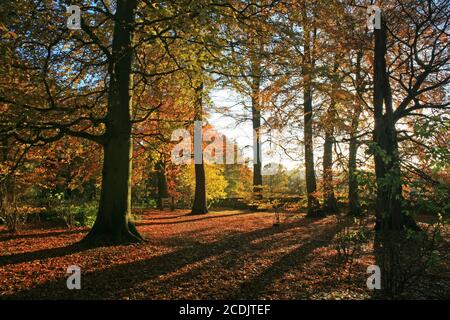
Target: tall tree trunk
(389,241)
(200,205)
(256,122)
(330,203)
(353,196)
(8,190)
(311,186)
(113,223)
(389,214)
(256,49)
(307,69)
(160,168)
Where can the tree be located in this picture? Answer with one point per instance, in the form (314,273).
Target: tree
(249,64)
(330,203)
(163,190)
(199,205)
(353,196)
(114,216)
(421,56)
(308,71)
(82,87)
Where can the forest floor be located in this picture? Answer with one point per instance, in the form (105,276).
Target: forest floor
(221,255)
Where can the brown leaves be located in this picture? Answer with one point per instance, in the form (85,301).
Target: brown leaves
(221,255)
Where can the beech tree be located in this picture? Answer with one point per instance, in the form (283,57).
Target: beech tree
(199,205)
(248,67)
(84,87)
(330,203)
(409,77)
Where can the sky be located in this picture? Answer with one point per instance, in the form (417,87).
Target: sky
(242,133)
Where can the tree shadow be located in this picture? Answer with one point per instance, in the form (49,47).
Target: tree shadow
(112,282)
(73,248)
(236,261)
(109,282)
(162,218)
(252,288)
(204,217)
(40,235)
(43,254)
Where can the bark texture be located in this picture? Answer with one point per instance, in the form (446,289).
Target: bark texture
(114,223)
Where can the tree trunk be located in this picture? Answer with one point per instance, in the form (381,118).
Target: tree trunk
(8,204)
(256,122)
(113,223)
(307,69)
(330,203)
(353,196)
(389,214)
(256,48)
(162,182)
(310,175)
(200,205)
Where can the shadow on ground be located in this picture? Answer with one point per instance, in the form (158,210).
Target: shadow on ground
(237,266)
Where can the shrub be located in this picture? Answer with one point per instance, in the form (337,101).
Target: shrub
(86,214)
(406,257)
(367,189)
(11,216)
(350,241)
(76,215)
(429,199)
